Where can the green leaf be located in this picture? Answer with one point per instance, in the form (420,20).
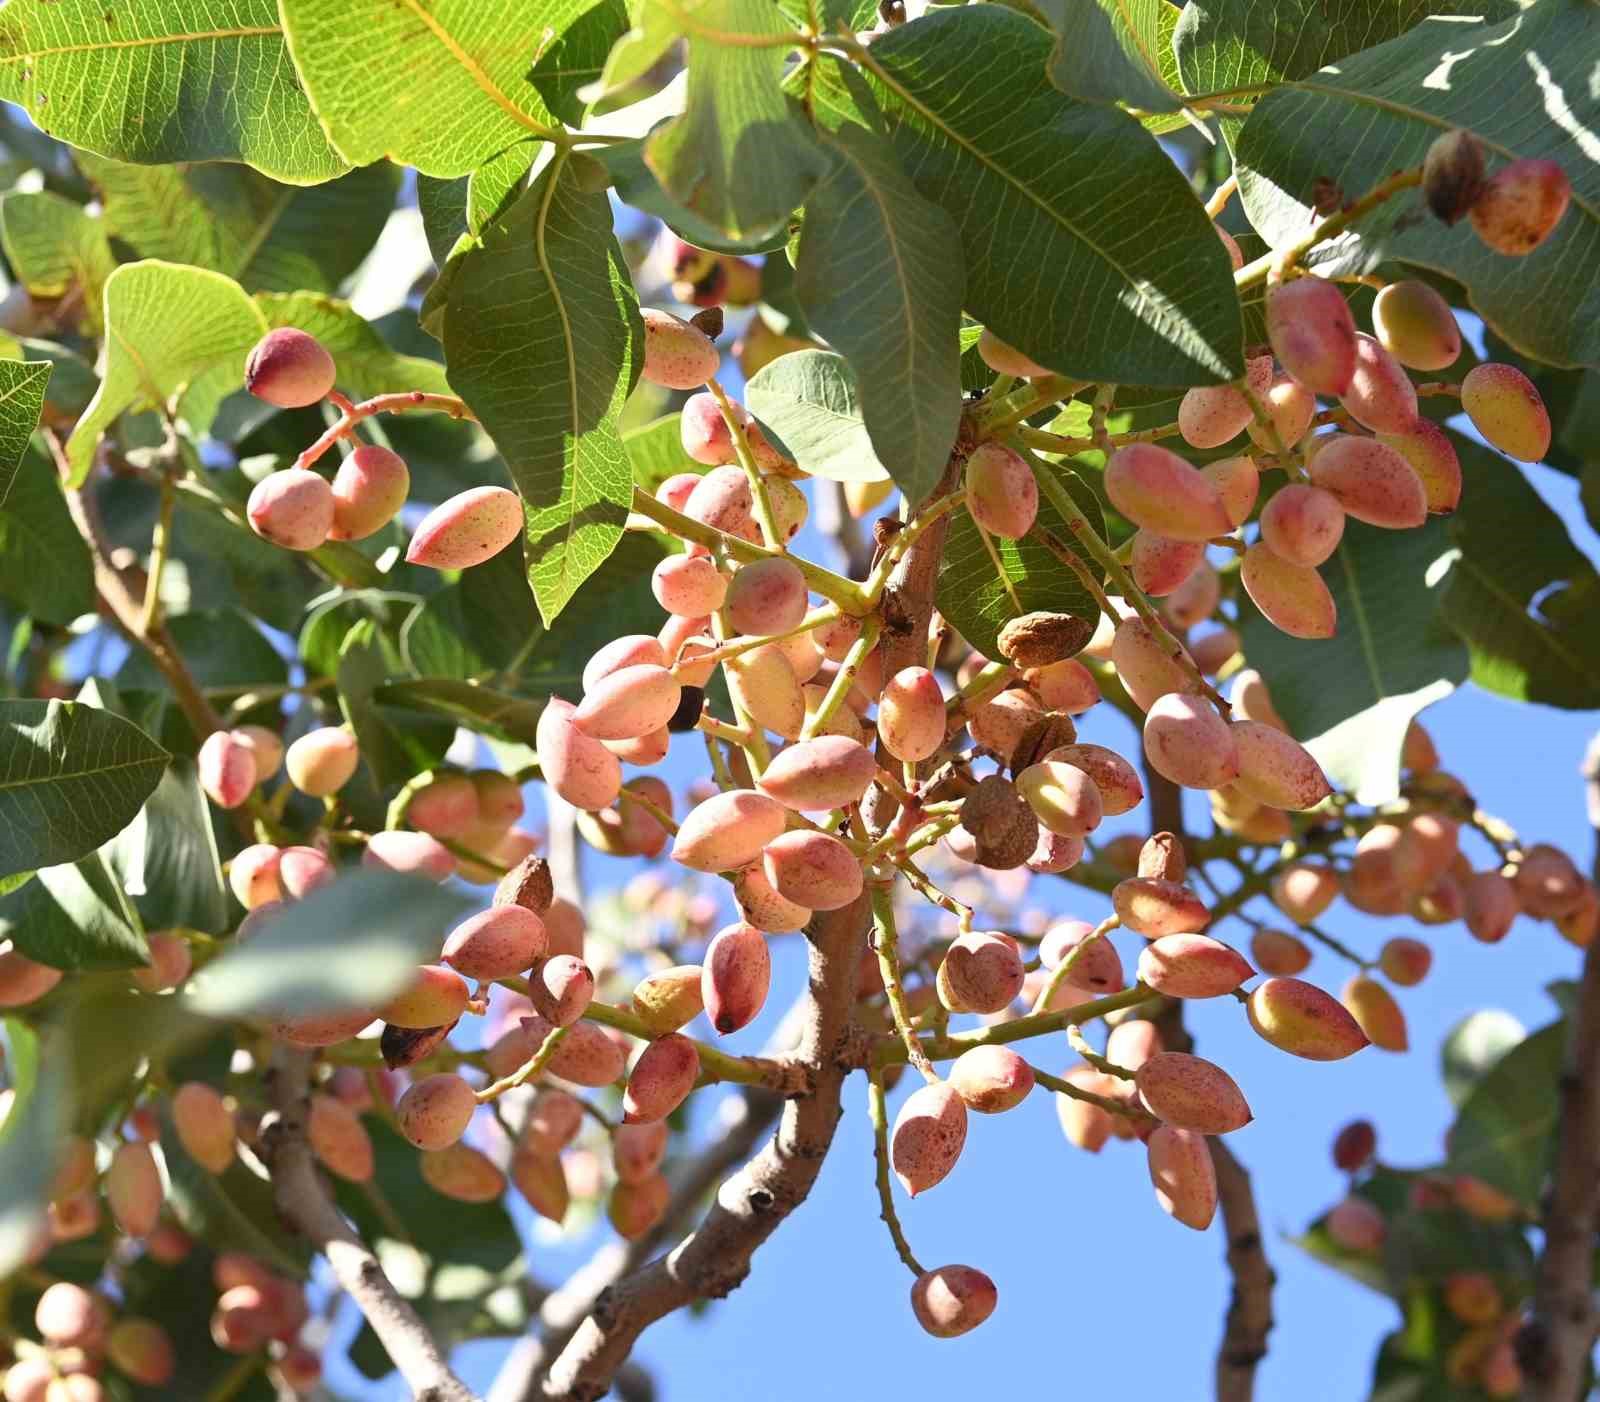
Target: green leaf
(810,399)
(579,34)
(877,281)
(44,563)
(1474,1046)
(368,365)
(1518,591)
(56,247)
(365,63)
(970,594)
(75,916)
(464,205)
(739,156)
(478,708)
(22,386)
(1379,111)
(173,335)
(351,944)
(393,748)
(1112,51)
(335,614)
(1391,656)
(1084,245)
(166,859)
(655,452)
(1505,1127)
(268,236)
(35,1120)
(165,80)
(71,777)
(543,340)
(226,652)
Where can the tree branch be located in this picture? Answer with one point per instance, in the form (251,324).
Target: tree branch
(304,1203)
(1553,1347)
(750,1206)
(1249,1317)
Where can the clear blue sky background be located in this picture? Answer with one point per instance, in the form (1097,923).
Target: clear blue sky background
(1087,1267)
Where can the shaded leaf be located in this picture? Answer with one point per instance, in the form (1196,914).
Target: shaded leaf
(478,708)
(1505,1126)
(56,247)
(75,916)
(35,1122)
(166,859)
(655,452)
(811,400)
(1474,1046)
(393,747)
(44,562)
(1112,51)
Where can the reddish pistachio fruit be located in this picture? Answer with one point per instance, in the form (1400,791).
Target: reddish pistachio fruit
(1293,597)
(323,761)
(1195,599)
(322,1029)
(369,489)
(445,807)
(253,875)
(575,765)
(469,528)
(991,1079)
(636,1207)
(1290,407)
(1303,1020)
(736,976)
(133,1189)
(339,1139)
(495,943)
(1192,966)
(1153,908)
(1237,483)
(553,1122)
(416,852)
(435,997)
(830,771)
(227,764)
(69,1316)
(981,973)
(28,1380)
(1519,205)
(1277,770)
(1506,409)
(1116,781)
(1087,1126)
(927,1137)
(561,989)
(1405,961)
(1145,668)
(722,499)
(1304,890)
(728,830)
(1379,1016)
(143,1350)
(688,586)
(705,437)
(1548,884)
(952,1300)
(1187,742)
(1356,1225)
(1279,953)
(763,683)
(292,508)
(662,1076)
(1183,1176)
(1416,326)
(812,869)
(1001,493)
(1006,360)
(1062,796)
(669,998)
(911,715)
(302,870)
(1097,969)
(205,1125)
(630,650)
(289,369)
(766,596)
(463,1173)
(1160,565)
(170,962)
(1371,481)
(677,355)
(1209,415)
(1054,853)
(1381,396)
(1432,456)
(434,1112)
(1155,488)
(762,906)
(1313,334)
(637,1150)
(1191,1093)
(1472,1297)
(1354,1145)
(628,703)
(22,981)
(1303,524)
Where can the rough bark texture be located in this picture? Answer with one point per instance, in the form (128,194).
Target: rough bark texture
(1249,1318)
(1554,1347)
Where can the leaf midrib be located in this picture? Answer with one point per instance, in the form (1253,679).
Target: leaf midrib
(1528,626)
(147,41)
(470,66)
(35,781)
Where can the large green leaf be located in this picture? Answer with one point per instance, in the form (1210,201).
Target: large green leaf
(1084,245)
(56,247)
(270,237)
(44,562)
(75,916)
(1353,695)
(655,452)
(35,1121)
(739,156)
(451,208)
(811,400)
(1474,1046)
(436,84)
(1379,111)
(227,653)
(973,598)
(578,36)
(543,340)
(71,778)
(368,365)
(1504,1129)
(351,944)
(877,281)
(394,747)
(165,80)
(1520,593)
(22,386)
(479,708)
(1112,51)
(166,859)
(174,336)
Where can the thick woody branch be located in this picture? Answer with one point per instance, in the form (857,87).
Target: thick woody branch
(1249,1317)
(753,1203)
(1553,1348)
(304,1203)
